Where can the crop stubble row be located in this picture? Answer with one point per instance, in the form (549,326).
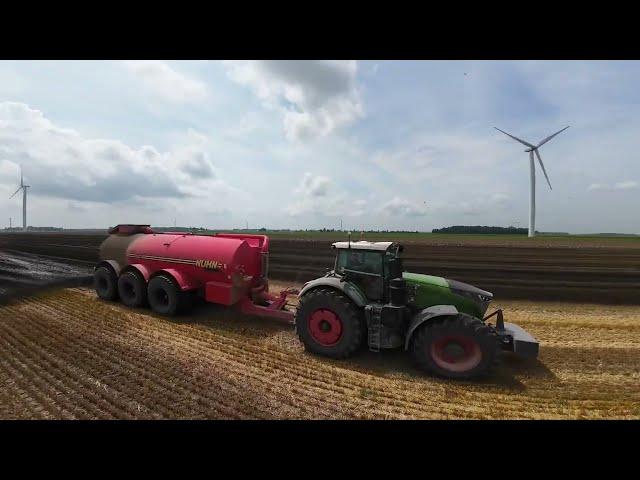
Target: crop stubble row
(69,355)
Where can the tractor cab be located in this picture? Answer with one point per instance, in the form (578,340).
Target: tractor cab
(370,265)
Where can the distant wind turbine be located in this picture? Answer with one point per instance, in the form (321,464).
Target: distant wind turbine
(23,187)
(531,150)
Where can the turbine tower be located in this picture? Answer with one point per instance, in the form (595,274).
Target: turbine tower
(532,171)
(23,187)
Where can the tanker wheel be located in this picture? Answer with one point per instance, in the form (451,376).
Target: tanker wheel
(132,289)
(164,295)
(106,283)
(455,347)
(329,324)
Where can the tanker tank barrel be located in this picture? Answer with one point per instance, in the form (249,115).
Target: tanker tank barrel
(224,268)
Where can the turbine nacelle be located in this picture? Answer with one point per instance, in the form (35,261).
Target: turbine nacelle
(534,149)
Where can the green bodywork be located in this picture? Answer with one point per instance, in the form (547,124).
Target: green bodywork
(431,290)
(371,270)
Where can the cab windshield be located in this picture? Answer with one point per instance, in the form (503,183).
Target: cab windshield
(365,269)
(359,261)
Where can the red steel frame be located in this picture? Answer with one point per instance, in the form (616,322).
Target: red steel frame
(275,306)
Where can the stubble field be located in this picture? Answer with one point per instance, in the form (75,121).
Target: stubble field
(66,354)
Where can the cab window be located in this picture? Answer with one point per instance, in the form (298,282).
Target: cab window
(360,261)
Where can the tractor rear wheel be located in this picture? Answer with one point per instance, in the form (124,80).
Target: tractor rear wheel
(455,347)
(329,324)
(164,295)
(132,289)
(106,283)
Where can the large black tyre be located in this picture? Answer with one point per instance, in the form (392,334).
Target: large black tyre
(330,324)
(164,296)
(458,347)
(105,283)
(132,289)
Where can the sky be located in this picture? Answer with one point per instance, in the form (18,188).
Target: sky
(398,145)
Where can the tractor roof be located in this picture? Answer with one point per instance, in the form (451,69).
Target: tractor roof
(364,245)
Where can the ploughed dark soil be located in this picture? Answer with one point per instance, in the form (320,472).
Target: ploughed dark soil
(29,273)
(579,274)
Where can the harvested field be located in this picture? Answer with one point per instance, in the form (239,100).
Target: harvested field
(68,355)
(570,269)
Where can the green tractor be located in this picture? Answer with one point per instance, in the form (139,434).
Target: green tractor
(369,298)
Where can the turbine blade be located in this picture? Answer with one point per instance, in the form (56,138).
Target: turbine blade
(515,138)
(551,136)
(543,170)
(21,177)
(14,193)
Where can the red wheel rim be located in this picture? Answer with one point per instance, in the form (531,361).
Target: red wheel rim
(325,327)
(456,353)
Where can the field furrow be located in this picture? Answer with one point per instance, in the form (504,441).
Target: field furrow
(131,370)
(69,355)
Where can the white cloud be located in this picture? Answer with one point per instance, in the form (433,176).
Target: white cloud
(315,97)
(445,157)
(401,207)
(76,207)
(314,186)
(166,83)
(60,163)
(624,185)
(193,158)
(317,195)
(480,205)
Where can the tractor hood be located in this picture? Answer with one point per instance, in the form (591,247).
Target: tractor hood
(431,290)
(457,286)
(425,279)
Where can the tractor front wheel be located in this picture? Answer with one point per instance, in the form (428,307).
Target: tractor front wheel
(455,347)
(329,324)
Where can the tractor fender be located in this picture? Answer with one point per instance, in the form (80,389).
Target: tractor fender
(144,271)
(426,315)
(183,281)
(110,264)
(348,288)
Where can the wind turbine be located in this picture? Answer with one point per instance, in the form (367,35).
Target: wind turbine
(23,187)
(531,150)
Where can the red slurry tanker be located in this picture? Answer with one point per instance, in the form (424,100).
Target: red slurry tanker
(367,299)
(140,266)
